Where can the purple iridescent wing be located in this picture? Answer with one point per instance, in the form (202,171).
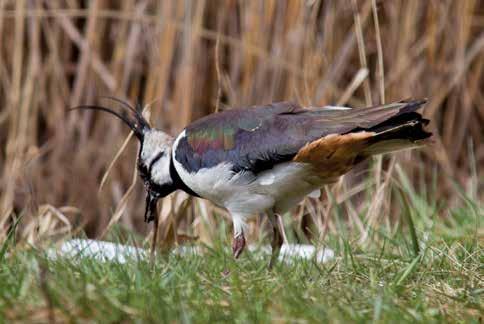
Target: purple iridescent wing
(256,138)
(251,139)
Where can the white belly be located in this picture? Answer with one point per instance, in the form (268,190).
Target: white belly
(288,183)
(279,188)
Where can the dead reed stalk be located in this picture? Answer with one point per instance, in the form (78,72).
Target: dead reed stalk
(193,56)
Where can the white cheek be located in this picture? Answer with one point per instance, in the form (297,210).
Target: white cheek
(160,173)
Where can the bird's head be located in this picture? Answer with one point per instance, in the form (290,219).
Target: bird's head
(154,157)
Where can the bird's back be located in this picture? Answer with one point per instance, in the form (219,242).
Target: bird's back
(271,156)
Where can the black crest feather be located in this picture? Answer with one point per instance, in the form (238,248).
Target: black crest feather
(135,120)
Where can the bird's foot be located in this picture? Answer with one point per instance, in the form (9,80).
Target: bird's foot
(238,245)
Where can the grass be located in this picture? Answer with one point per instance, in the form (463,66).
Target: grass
(385,280)
(402,255)
(60,54)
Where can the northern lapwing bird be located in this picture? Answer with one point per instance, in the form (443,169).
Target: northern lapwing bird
(266,159)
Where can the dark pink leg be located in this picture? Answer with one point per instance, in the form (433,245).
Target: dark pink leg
(238,245)
(277,239)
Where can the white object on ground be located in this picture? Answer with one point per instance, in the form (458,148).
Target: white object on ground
(292,252)
(108,251)
(99,250)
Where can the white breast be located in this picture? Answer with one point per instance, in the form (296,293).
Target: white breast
(218,184)
(281,187)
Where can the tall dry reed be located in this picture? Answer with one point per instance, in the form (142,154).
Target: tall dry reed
(188,58)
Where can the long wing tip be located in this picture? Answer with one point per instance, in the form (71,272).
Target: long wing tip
(415,102)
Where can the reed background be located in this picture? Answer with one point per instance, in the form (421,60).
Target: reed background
(189,58)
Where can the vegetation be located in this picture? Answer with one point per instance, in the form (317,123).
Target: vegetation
(386,282)
(434,275)
(59,54)
(406,228)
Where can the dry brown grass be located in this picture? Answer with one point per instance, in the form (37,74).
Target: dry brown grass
(57,54)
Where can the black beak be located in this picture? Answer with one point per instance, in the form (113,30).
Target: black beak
(151,211)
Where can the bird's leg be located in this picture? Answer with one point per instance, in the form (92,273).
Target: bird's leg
(277,238)
(238,244)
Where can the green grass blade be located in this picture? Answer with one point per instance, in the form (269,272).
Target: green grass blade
(410,268)
(8,240)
